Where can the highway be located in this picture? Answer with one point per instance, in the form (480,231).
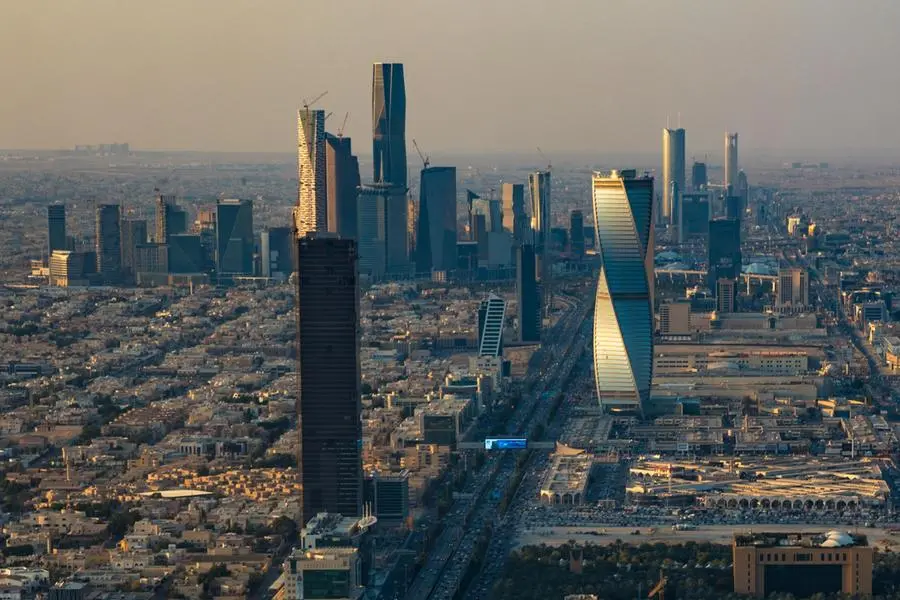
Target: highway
(442,573)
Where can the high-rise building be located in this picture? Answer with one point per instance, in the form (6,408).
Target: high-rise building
(396,230)
(186,253)
(310,213)
(675,317)
(67,268)
(134,232)
(699,179)
(673,173)
(491,315)
(371,209)
(515,217)
(528,295)
(576,233)
(277,249)
(623,313)
(792,289)
(734,207)
(539,189)
(343,181)
(731,160)
(108,243)
(695,214)
(436,235)
(234,237)
(330,462)
(389,124)
(726,295)
(56,228)
(725,258)
(150,259)
(170,218)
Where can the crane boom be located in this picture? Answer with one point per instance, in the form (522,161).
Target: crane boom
(343,125)
(425,159)
(549,164)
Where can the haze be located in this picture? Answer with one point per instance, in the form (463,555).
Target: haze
(571,76)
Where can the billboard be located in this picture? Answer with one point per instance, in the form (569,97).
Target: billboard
(505,444)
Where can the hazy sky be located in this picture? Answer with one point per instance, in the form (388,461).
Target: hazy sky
(481,75)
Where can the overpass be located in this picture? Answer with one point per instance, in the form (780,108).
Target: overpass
(531,446)
(689,274)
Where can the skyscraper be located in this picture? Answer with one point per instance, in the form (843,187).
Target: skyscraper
(234,237)
(312,200)
(342,182)
(396,230)
(491,315)
(515,217)
(134,232)
(370,210)
(56,228)
(539,189)
(623,313)
(170,218)
(673,173)
(108,243)
(576,233)
(436,230)
(330,429)
(389,124)
(276,246)
(792,289)
(699,180)
(731,159)
(528,296)
(724,256)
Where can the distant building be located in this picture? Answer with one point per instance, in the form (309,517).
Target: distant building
(67,268)
(325,574)
(725,259)
(731,160)
(388,495)
(802,564)
(491,316)
(277,250)
(623,313)
(726,295)
(134,232)
(436,237)
(310,214)
(185,254)
(673,173)
(150,258)
(528,297)
(389,124)
(699,179)
(675,317)
(576,233)
(539,190)
(342,185)
(170,218)
(792,289)
(515,217)
(330,461)
(56,228)
(734,207)
(371,211)
(108,243)
(234,237)
(695,214)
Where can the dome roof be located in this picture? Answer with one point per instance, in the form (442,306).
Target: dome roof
(835,538)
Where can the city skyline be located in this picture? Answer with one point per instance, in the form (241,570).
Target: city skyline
(779,100)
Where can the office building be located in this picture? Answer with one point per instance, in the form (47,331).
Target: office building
(396,231)
(234,237)
(467,255)
(108,243)
(515,217)
(371,209)
(576,233)
(388,495)
(623,313)
(491,316)
(726,295)
(323,574)
(310,214)
(436,236)
(731,160)
(150,258)
(539,190)
(389,124)
(186,254)
(342,182)
(56,228)
(734,207)
(134,232)
(695,214)
(673,173)
(725,258)
(528,295)
(276,245)
(330,462)
(170,218)
(802,564)
(699,179)
(792,289)
(675,317)
(67,268)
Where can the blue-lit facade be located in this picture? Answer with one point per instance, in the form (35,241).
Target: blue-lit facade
(623,313)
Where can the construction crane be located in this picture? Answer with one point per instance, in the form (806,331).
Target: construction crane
(306,104)
(659,590)
(340,133)
(549,164)
(425,160)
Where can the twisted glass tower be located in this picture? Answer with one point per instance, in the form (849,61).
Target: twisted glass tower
(623,312)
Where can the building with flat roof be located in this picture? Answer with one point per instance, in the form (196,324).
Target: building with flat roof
(802,564)
(332,574)
(567,479)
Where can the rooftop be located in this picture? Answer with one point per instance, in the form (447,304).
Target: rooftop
(827,539)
